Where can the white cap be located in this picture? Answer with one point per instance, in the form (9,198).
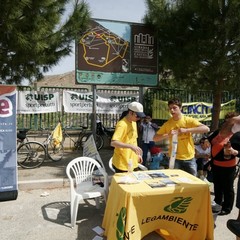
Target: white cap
(137,108)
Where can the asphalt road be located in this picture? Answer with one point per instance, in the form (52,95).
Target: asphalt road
(42,209)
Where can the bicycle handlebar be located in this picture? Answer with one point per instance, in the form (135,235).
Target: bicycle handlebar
(74,128)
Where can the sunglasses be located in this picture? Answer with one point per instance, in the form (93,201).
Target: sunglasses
(135,114)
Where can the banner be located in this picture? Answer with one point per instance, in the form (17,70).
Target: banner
(38,102)
(8,144)
(76,102)
(200,110)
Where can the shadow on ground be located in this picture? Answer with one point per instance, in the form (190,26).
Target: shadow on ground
(88,216)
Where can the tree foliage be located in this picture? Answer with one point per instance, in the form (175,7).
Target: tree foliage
(34,36)
(199,41)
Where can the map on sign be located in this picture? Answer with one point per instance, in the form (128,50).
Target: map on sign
(101,47)
(117,53)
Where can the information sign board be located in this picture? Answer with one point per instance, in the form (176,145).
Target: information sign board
(117,53)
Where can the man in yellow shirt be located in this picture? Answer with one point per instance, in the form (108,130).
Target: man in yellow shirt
(184,127)
(124,139)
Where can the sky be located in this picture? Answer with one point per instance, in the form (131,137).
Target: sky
(120,10)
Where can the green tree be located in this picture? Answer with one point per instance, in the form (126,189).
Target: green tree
(34,36)
(199,41)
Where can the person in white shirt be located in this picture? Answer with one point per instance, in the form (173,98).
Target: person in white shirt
(148,130)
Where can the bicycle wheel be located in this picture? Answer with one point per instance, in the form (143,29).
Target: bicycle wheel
(99,141)
(55,152)
(31,155)
(78,144)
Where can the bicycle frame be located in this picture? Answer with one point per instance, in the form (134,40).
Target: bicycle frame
(101,130)
(78,142)
(22,137)
(54,151)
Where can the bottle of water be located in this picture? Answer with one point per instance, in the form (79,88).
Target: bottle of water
(130,166)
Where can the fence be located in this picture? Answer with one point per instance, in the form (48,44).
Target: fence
(165,94)
(72,120)
(75,120)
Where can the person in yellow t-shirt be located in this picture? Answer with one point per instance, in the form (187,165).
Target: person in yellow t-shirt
(124,139)
(184,127)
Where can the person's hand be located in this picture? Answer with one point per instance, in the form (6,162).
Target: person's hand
(137,150)
(172,132)
(230,151)
(140,160)
(207,156)
(154,125)
(184,130)
(233,151)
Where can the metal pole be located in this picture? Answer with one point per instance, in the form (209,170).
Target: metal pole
(93,118)
(141,94)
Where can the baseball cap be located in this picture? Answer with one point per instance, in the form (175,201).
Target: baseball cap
(137,108)
(155,150)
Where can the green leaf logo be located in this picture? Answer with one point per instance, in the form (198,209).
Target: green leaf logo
(121,224)
(178,205)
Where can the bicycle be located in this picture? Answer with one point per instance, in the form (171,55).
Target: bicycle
(77,144)
(32,154)
(103,131)
(84,135)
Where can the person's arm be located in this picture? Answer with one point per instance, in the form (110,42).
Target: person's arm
(201,155)
(199,129)
(158,137)
(154,126)
(197,154)
(236,120)
(136,149)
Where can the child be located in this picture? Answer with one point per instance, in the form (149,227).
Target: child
(156,158)
(202,155)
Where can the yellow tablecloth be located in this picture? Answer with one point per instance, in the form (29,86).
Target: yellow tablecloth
(179,212)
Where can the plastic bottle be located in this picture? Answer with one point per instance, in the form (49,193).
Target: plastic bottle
(130,166)
(174,151)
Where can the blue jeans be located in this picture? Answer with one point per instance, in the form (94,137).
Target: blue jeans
(145,148)
(189,166)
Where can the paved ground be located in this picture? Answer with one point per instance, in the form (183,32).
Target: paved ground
(41,210)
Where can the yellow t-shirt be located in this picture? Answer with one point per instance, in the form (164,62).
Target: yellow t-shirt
(125,132)
(185,147)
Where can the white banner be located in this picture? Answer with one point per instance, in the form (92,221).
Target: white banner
(76,102)
(38,102)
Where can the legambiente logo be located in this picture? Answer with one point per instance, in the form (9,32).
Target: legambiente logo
(121,224)
(178,205)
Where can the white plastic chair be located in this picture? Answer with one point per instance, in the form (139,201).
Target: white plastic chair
(80,172)
(140,166)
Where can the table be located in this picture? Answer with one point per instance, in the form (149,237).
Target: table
(181,211)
